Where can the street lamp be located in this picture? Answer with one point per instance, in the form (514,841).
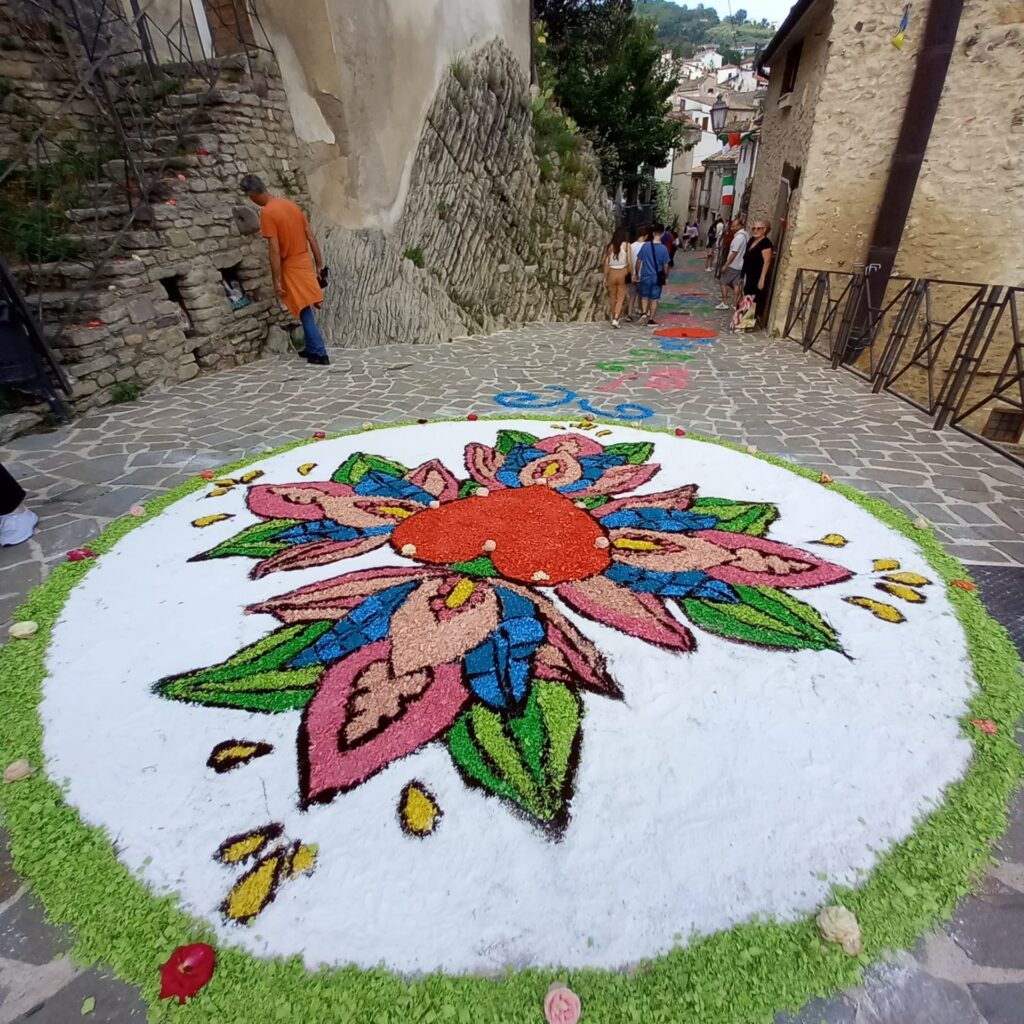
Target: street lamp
(719,111)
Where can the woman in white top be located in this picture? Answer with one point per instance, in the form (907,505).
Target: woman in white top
(617,263)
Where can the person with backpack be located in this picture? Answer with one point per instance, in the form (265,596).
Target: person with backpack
(651,266)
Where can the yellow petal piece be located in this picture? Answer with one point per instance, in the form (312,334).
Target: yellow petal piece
(225,482)
(908,579)
(232,754)
(240,848)
(885,564)
(210,520)
(306,468)
(218,492)
(418,811)
(254,890)
(879,609)
(253,474)
(907,594)
(303,860)
(833,540)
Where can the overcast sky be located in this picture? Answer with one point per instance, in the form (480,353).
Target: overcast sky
(773,10)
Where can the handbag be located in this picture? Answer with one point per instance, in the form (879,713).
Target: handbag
(660,273)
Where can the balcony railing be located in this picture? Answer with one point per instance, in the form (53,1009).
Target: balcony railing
(953,349)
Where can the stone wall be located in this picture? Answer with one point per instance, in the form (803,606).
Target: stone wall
(487,237)
(501,245)
(965,222)
(155,311)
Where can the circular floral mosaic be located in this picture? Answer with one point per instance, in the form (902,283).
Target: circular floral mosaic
(464,696)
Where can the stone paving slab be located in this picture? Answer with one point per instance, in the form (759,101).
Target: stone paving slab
(748,389)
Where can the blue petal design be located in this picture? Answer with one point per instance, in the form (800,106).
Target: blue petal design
(518,458)
(380,485)
(499,669)
(649,581)
(668,520)
(326,529)
(594,467)
(366,623)
(716,590)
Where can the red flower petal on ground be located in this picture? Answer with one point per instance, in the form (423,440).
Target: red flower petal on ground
(985,725)
(963,585)
(187,970)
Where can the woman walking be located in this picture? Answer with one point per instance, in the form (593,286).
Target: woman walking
(616,270)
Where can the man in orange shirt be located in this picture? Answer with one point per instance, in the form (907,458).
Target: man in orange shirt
(296,280)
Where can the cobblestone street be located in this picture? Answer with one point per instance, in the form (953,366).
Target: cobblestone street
(749,389)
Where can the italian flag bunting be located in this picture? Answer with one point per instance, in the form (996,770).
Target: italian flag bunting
(728,188)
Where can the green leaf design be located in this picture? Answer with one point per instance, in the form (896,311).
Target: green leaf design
(255,679)
(469,487)
(595,501)
(357,465)
(481,566)
(253,542)
(765,618)
(750,517)
(508,439)
(635,452)
(530,759)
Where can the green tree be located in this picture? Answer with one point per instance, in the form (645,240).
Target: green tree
(606,69)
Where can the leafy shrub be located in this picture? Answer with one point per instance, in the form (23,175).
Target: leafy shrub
(416,256)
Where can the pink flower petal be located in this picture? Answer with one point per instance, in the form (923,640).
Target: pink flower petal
(618,479)
(436,479)
(424,706)
(757,561)
(482,463)
(556,470)
(333,598)
(293,501)
(677,500)
(641,615)
(304,556)
(426,631)
(576,445)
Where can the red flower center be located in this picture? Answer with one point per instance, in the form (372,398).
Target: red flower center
(535,531)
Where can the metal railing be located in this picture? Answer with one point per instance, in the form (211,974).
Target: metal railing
(953,349)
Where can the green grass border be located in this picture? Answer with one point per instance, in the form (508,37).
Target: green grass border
(739,976)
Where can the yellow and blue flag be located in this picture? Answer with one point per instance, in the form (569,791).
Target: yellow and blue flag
(901,34)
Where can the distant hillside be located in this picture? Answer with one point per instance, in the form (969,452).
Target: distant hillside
(683,28)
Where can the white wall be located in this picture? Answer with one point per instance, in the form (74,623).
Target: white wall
(360,79)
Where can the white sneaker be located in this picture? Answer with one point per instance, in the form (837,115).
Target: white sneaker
(643,318)
(723,305)
(707,270)
(615,324)
(16,527)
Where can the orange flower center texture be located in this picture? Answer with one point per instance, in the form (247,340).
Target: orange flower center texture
(535,531)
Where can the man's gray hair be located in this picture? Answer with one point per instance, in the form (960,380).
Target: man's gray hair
(252,184)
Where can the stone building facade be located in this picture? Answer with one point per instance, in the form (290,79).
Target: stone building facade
(831,123)
(468,232)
